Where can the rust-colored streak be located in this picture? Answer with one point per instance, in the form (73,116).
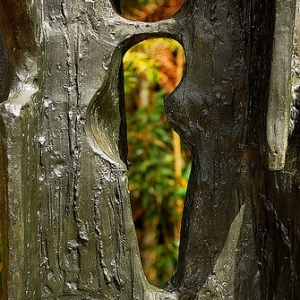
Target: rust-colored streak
(251,156)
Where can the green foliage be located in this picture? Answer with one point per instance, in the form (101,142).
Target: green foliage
(150,152)
(145,61)
(135,8)
(138,65)
(149,10)
(156,193)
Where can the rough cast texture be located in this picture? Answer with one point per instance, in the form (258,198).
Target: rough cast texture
(68,231)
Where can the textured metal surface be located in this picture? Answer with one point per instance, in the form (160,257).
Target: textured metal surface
(68,229)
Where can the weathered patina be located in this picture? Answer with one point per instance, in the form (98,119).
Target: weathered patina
(67,226)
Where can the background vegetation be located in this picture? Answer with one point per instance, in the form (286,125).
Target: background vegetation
(152,69)
(150,10)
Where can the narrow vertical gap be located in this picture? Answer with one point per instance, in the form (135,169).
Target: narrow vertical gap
(5,83)
(158,162)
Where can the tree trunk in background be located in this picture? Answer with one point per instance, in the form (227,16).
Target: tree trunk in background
(66,220)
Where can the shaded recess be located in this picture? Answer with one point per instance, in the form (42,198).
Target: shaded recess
(5,69)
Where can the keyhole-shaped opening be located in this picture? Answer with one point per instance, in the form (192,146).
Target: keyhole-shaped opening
(158,161)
